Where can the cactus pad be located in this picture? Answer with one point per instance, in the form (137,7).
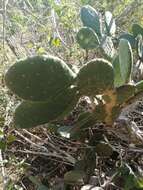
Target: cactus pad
(108,48)
(140,46)
(110,23)
(31,114)
(90,18)
(39,78)
(118,81)
(131,39)
(139,86)
(87,38)
(126,60)
(124,93)
(137,29)
(95,77)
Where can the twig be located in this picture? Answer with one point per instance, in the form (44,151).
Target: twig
(31,134)
(4,5)
(43,154)
(56,28)
(51,145)
(3,171)
(30,142)
(67,156)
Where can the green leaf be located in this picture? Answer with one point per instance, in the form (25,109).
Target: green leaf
(10,139)
(56,42)
(3,145)
(1,134)
(41,51)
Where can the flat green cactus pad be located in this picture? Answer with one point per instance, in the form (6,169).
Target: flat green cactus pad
(110,23)
(140,46)
(124,93)
(95,77)
(139,86)
(31,114)
(126,60)
(137,29)
(87,38)
(108,48)
(118,81)
(39,78)
(131,39)
(90,18)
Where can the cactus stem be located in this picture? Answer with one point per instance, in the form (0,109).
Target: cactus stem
(109,106)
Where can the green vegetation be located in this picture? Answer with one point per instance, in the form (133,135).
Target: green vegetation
(70,74)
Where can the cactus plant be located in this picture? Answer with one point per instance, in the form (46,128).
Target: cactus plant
(92,20)
(109,87)
(45,82)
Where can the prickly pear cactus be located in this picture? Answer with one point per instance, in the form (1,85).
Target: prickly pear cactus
(140,47)
(130,38)
(87,38)
(46,83)
(90,18)
(97,34)
(110,23)
(118,81)
(137,29)
(51,90)
(96,77)
(29,114)
(39,78)
(126,60)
